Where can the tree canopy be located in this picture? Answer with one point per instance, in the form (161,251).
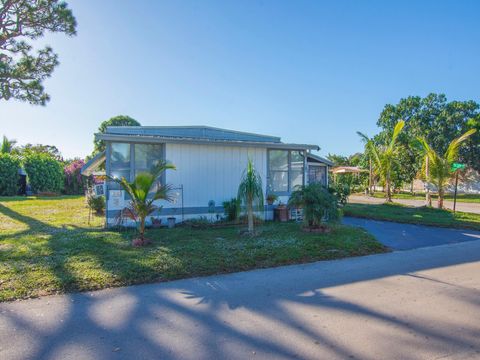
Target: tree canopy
(22,71)
(438,122)
(120,120)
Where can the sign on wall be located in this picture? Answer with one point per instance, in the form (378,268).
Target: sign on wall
(116,200)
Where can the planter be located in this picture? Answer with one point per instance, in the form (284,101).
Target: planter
(280,213)
(171,222)
(156,223)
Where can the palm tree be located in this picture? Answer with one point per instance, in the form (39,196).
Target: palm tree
(7,145)
(384,157)
(440,167)
(250,192)
(143,191)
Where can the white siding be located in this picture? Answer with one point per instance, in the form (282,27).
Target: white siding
(211,172)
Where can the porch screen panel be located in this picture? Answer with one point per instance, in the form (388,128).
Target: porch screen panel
(120,160)
(278,170)
(317,174)
(296,169)
(147,157)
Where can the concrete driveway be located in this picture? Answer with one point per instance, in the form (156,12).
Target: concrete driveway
(461,206)
(407,236)
(414,304)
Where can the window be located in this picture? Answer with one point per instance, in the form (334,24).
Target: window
(120,160)
(147,157)
(296,172)
(285,170)
(278,172)
(317,174)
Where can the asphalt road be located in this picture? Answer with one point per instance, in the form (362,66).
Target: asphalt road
(413,304)
(461,206)
(399,236)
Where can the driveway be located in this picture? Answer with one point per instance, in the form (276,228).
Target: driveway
(399,236)
(414,304)
(461,206)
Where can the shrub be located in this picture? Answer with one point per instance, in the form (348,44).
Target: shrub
(74,181)
(96,204)
(232,209)
(318,204)
(45,174)
(9,177)
(341,191)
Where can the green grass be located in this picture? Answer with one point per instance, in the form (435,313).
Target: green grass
(414,215)
(47,247)
(467,198)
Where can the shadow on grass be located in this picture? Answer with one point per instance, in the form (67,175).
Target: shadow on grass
(270,313)
(52,249)
(414,215)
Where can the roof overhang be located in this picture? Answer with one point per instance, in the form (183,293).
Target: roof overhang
(90,168)
(319,159)
(175,140)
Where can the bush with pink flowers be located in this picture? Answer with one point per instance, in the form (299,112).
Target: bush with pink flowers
(75,183)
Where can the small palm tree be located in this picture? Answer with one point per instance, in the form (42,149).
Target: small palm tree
(143,191)
(384,157)
(250,192)
(440,168)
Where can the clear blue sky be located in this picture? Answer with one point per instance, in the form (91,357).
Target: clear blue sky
(308,71)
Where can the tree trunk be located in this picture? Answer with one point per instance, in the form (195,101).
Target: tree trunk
(387,186)
(142,230)
(370,192)
(440,197)
(250,215)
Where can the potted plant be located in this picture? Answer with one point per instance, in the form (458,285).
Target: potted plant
(271,198)
(280,213)
(156,222)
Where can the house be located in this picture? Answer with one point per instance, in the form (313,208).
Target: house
(210,163)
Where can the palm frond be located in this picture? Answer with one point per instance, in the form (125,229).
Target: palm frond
(452,151)
(396,131)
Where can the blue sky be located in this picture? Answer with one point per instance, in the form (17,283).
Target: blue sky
(308,71)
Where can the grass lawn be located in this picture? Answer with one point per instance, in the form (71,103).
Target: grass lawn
(47,247)
(414,215)
(467,198)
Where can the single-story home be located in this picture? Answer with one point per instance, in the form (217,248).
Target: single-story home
(209,166)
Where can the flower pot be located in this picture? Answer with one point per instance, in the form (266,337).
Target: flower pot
(280,213)
(171,222)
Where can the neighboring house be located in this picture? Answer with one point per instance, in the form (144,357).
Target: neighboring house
(210,163)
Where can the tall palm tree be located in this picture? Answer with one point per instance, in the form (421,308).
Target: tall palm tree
(440,167)
(250,192)
(384,157)
(7,145)
(143,191)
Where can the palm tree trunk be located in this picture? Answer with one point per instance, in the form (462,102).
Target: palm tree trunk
(250,215)
(441,194)
(387,186)
(142,229)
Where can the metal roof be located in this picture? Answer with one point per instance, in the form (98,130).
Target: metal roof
(93,164)
(193,132)
(195,135)
(319,159)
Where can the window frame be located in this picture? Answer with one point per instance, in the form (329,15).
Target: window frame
(289,171)
(132,159)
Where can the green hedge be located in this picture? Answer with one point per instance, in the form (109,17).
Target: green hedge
(9,177)
(45,174)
